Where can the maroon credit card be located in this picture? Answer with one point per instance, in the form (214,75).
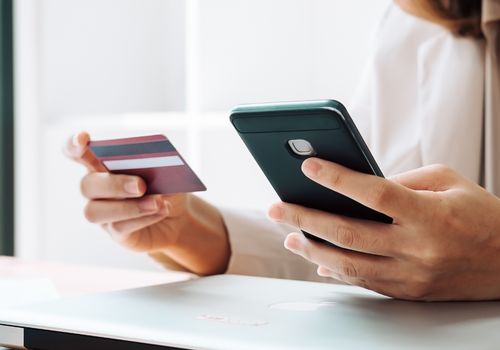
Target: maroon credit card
(153,158)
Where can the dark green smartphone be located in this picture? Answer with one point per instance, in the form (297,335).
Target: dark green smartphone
(281,136)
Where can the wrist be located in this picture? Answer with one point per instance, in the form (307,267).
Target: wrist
(202,245)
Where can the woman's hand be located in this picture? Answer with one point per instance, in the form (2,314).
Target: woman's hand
(444,243)
(187,229)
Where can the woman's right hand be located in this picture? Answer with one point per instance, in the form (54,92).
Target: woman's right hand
(181,226)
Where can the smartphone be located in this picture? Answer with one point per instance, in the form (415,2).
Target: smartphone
(280,136)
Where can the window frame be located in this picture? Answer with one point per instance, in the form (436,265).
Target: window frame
(6,129)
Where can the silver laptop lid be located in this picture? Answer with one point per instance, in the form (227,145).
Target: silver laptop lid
(236,312)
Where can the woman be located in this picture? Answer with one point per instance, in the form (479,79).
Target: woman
(430,95)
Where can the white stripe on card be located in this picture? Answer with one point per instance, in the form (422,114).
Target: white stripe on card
(142,163)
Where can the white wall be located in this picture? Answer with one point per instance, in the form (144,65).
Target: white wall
(253,51)
(121,67)
(110,56)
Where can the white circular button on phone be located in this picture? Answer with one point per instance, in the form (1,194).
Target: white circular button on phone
(301,147)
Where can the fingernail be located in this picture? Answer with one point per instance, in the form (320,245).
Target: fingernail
(132,187)
(148,204)
(311,167)
(76,140)
(276,212)
(293,243)
(323,271)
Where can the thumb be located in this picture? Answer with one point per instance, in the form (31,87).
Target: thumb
(77,149)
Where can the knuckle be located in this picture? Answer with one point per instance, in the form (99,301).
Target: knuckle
(297,219)
(335,179)
(343,236)
(418,290)
(363,283)
(424,278)
(380,194)
(448,215)
(442,171)
(348,269)
(433,259)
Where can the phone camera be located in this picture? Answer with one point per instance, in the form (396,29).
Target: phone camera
(301,147)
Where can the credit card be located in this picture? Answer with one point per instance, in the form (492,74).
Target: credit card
(153,158)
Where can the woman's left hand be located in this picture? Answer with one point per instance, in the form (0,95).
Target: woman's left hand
(444,243)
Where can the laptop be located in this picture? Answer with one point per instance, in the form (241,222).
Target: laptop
(238,312)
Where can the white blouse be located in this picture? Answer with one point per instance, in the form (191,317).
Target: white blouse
(420,102)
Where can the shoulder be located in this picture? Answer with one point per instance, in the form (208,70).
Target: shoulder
(446,44)
(455,58)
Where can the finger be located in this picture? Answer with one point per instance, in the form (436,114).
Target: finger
(130,233)
(76,148)
(326,272)
(111,186)
(106,211)
(359,235)
(429,178)
(75,145)
(382,287)
(343,262)
(372,191)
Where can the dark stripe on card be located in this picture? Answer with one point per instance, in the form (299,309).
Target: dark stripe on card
(133,149)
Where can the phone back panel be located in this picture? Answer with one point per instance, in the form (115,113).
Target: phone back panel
(326,125)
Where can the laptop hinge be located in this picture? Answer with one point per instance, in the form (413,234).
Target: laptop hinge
(12,337)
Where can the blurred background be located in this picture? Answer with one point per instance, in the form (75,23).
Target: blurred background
(120,68)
